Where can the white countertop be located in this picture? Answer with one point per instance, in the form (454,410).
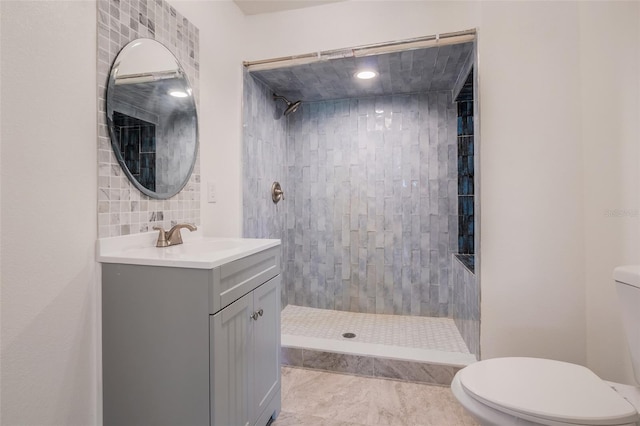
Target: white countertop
(197,251)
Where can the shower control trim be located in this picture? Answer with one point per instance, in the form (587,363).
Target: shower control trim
(277,193)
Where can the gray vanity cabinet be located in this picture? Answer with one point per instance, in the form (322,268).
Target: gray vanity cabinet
(245,378)
(188,346)
(266,354)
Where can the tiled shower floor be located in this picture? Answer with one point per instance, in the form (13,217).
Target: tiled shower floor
(424,339)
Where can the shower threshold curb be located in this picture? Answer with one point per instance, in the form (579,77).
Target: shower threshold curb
(373,360)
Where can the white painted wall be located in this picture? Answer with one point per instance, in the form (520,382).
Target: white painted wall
(222,44)
(610,98)
(50,282)
(532,281)
(48,304)
(533,298)
(353,23)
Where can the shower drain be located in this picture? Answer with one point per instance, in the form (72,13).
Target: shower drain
(349,335)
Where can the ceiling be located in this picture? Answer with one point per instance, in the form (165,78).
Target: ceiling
(255,7)
(409,71)
(153,96)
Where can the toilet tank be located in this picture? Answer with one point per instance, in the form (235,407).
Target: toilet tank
(627,280)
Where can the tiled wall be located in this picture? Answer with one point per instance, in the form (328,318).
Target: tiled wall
(369,218)
(137,141)
(466,214)
(372,208)
(173,160)
(122,209)
(466,304)
(466,291)
(263,162)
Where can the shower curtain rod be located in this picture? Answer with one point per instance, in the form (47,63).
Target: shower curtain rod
(361,51)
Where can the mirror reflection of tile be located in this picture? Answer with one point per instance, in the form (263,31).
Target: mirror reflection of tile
(137,147)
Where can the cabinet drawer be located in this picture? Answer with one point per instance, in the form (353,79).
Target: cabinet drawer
(243,275)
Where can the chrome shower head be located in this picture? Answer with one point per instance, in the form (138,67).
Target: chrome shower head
(291,106)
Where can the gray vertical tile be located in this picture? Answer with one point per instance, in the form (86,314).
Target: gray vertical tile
(342,363)
(465,306)
(414,371)
(372,219)
(291,356)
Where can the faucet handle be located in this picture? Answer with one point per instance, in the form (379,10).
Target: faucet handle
(162,236)
(173,235)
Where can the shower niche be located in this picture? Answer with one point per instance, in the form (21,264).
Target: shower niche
(374,221)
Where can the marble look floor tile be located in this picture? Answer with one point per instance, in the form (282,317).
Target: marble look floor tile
(296,419)
(321,398)
(413,404)
(287,378)
(339,397)
(402,404)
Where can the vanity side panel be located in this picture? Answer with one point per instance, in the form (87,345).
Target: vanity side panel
(155,340)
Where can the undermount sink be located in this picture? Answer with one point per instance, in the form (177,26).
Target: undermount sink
(195,252)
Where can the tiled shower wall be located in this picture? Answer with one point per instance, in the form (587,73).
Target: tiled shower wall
(372,208)
(263,161)
(122,209)
(466,223)
(466,304)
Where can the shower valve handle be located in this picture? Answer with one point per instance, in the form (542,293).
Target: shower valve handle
(277,193)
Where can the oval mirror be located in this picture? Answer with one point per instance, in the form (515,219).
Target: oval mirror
(152,120)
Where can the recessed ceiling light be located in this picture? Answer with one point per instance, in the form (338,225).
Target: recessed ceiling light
(366,74)
(178,93)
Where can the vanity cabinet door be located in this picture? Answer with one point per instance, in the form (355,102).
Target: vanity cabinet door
(232,364)
(266,353)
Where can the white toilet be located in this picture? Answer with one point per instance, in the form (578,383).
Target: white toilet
(534,391)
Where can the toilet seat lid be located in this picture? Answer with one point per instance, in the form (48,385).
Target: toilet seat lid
(542,389)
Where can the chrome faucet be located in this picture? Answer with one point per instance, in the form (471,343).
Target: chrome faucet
(172,237)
